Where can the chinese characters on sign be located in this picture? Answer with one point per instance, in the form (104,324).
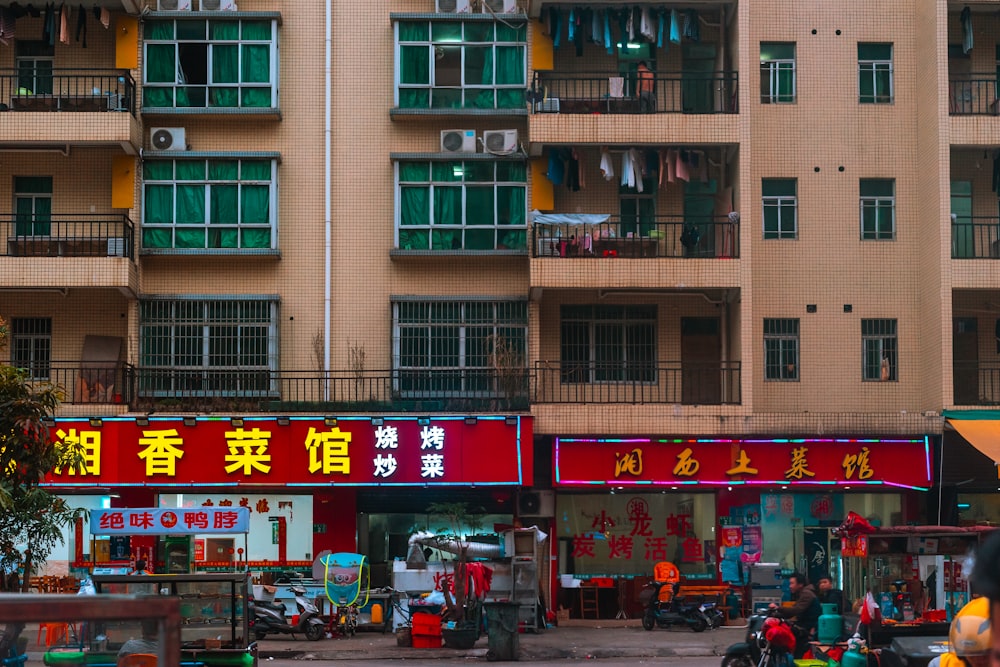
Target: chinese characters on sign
(158,521)
(638,534)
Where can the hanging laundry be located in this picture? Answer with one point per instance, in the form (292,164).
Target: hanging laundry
(616,86)
(555,26)
(7,25)
(81,25)
(572,172)
(596,27)
(577,25)
(629,26)
(64,25)
(576,155)
(636,169)
(105,18)
(571,24)
(557,169)
(646,25)
(966,18)
(671,160)
(675,27)
(608,42)
(692,27)
(607,167)
(628,173)
(624,17)
(48,29)
(681,167)
(661,20)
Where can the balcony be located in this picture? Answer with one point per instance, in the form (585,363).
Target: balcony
(80,93)
(613,93)
(84,382)
(672,382)
(691,237)
(972,94)
(975,237)
(69,235)
(976,383)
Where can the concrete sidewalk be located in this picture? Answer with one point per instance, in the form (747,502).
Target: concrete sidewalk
(595,639)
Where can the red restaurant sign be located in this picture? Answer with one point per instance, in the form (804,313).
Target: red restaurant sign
(650,461)
(261,452)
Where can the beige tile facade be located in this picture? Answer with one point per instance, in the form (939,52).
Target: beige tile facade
(924,140)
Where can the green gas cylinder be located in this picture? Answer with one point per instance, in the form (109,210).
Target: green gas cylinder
(830,625)
(853,658)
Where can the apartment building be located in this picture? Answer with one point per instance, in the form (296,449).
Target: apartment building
(641,273)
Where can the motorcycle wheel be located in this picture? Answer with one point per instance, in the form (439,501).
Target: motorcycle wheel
(314,631)
(737,661)
(648,622)
(700,624)
(260,635)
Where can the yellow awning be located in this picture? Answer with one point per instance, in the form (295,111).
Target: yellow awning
(983,434)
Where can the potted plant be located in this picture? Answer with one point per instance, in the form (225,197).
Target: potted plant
(462,614)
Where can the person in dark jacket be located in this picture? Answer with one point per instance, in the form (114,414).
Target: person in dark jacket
(986,582)
(830,595)
(803,614)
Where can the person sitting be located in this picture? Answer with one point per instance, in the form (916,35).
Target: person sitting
(830,595)
(970,638)
(147,644)
(804,613)
(140,567)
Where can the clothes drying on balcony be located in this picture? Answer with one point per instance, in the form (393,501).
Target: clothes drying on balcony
(569,218)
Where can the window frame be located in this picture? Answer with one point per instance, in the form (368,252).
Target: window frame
(41,223)
(874,67)
(781,203)
(773,68)
(500,231)
(36,358)
(467,91)
(208,226)
(240,86)
(784,339)
(439,379)
(591,318)
(878,204)
(185,324)
(883,343)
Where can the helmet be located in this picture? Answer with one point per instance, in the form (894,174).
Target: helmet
(970,630)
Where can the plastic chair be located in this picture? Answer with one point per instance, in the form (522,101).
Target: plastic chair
(137,660)
(55,633)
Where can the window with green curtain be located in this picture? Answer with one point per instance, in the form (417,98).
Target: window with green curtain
(32,205)
(206,204)
(489,70)
(462,205)
(777,73)
(230,59)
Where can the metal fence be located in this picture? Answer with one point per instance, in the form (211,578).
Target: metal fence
(660,236)
(68,235)
(46,89)
(623,93)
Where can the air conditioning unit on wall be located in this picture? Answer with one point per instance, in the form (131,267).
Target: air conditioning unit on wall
(536,503)
(452,6)
(217,5)
(173,5)
(167,139)
(498,6)
(458,141)
(500,142)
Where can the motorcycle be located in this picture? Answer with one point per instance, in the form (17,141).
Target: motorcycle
(769,642)
(269,618)
(673,612)
(713,614)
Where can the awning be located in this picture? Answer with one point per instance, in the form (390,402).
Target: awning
(983,434)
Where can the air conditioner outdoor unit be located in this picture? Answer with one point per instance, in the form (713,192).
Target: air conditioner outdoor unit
(452,6)
(173,5)
(167,139)
(217,5)
(458,141)
(116,247)
(536,503)
(500,142)
(550,105)
(498,6)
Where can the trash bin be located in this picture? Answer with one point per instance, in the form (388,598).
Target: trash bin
(501,629)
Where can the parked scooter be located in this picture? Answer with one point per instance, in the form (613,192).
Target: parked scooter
(673,612)
(712,613)
(270,619)
(769,642)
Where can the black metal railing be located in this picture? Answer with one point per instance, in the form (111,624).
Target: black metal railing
(68,235)
(975,237)
(686,383)
(615,93)
(972,94)
(28,89)
(84,382)
(976,383)
(716,236)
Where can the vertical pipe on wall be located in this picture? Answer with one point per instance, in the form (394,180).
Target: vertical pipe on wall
(327,138)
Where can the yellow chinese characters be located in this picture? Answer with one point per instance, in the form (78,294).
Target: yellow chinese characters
(89,444)
(800,466)
(248,450)
(328,451)
(687,465)
(162,450)
(742,466)
(629,463)
(857,463)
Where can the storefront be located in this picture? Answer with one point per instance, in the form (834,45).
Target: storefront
(299,477)
(715,506)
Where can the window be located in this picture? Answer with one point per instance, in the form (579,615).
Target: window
(462,205)
(875,73)
(31,345)
(878,350)
(607,344)
(777,73)
(209,204)
(637,209)
(780,208)
(449,346)
(207,347)
(210,64)
(34,67)
(461,64)
(32,205)
(878,209)
(781,349)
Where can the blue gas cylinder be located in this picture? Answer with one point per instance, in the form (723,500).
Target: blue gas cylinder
(830,625)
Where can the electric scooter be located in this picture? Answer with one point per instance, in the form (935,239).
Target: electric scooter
(270,619)
(765,644)
(674,612)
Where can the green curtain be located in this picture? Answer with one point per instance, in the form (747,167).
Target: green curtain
(190,170)
(33,216)
(511,205)
(225,59)
(224,204)
(256,69)
(255,204)
(447,205)
(410,31)
(479,206)
(222,237)
(256,238)
(414,208)
(190,204)
(255,170)
(510,72)
(156,238)
(189,238)
(414,69)
(157,170)
(158,208)
(161,68)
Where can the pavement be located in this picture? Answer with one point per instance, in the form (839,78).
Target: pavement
(575,640)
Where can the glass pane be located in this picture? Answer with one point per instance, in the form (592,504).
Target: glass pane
(480,239)
(479,208)
(877,187)
(414,66)
(159,30)
(224,204)
(224,63)
(776,51)
(191,204)
(447,171)
(446,31)
(159,205)
(414,171)
(256,63)
(479,32)
(157,170)
(447,205)
(514,172)
(259,31)
(479,172)
(778,187)
(223,31)
(511,33)
(24,185)
(478,65)
(191,30)
(160,64)
(223,170)
(414,205)
(190,170)
(255,170)
(874,51)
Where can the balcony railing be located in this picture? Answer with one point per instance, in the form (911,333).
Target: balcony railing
(68,235)
(614,93)
(84,382)
(27,89)
(678,382)
(975,238)
(695,237)
(976,383)
(972,94)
